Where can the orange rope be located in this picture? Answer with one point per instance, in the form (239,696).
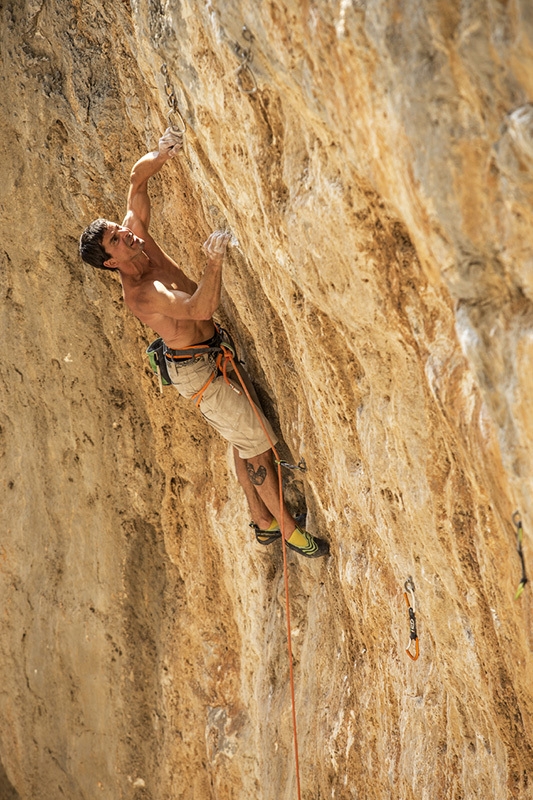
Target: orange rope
(228,355)
(289,640)
(200,393)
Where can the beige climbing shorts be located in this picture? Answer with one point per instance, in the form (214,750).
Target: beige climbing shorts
(225,406)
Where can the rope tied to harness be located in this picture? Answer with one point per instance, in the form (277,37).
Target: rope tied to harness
(224,358)
(221,346)
(223,351)
(231,359)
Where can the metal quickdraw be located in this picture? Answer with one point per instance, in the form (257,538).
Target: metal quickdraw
(173,103)
(301,465)
(519,539)
(246,56)
(413,635)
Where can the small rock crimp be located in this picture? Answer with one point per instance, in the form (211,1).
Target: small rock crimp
(413,635)
(519,539)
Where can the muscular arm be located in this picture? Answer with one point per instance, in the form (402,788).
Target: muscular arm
(137,216)
(138,207)
(204,301)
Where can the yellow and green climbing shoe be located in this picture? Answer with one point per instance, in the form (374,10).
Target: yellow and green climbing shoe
(306,545)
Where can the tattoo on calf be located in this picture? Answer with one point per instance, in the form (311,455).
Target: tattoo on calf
(257,478)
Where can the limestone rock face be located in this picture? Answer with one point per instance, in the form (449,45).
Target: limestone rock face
(379,187)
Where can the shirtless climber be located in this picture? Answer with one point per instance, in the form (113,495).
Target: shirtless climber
(159,293)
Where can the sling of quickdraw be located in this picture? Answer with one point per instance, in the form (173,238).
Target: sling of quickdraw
(413,635)
(173,104)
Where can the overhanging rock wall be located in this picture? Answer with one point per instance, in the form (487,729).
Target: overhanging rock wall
(379,185)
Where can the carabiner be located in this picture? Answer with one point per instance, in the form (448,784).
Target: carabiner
(301,465)
(413,635)
(247,34)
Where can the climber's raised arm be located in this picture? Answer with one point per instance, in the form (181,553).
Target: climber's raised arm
(138,207)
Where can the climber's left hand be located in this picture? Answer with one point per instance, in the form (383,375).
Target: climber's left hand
(171,142)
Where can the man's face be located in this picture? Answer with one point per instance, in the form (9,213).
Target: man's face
(121,244)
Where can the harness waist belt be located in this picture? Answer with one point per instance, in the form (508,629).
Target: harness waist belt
(194,350)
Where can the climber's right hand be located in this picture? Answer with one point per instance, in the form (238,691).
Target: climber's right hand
(216,245)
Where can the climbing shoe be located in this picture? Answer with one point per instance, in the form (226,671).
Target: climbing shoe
(273,532)
(270,535)
(306,545)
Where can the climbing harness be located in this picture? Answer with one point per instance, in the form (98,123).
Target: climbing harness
(173,103)
(413,635)
(221,347)
(246,56)
(519,540)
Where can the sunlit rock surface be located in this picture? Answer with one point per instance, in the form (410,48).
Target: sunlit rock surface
(379,186)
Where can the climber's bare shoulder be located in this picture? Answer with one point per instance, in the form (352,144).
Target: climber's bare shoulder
(159,297)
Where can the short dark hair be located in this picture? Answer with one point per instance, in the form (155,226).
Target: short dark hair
(91,249)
